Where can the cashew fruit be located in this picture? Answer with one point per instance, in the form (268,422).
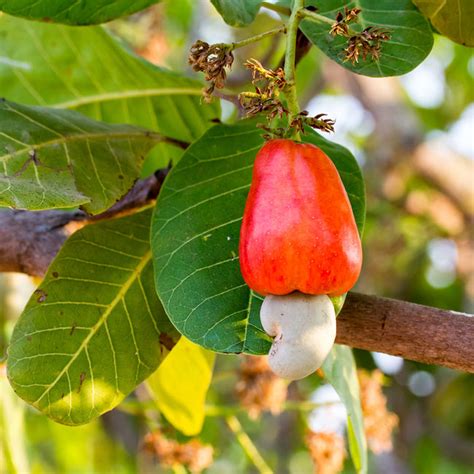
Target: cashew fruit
(298,231)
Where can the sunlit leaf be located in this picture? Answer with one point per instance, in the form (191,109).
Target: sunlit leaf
(195,236)
(341,372)
(180,385)
(85,69)
(452,18)
(93,329)
(58,158)
(79,12)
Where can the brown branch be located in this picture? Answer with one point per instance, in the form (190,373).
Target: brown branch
(412,331)
(30,240)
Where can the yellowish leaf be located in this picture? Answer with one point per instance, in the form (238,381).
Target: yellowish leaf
(179,386)
(452,18)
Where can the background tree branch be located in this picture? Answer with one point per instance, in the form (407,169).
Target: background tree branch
(30,240)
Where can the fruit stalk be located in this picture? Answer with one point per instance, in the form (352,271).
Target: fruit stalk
(290,54)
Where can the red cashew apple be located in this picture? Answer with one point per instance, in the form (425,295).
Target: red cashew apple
(298,231)
(299,239)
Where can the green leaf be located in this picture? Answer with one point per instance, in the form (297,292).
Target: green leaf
(79,12)
(92,331)
(452,18)
(85,69)
(410,41)
(59,158)
(341,372)
(179,386)
(195,237)
(238,12)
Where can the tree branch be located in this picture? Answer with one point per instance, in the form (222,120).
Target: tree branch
(412,331)
(30,240)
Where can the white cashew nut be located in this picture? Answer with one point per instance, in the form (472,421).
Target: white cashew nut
(304,330)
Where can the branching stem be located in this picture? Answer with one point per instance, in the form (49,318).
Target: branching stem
(317,18)
(254,39)
(313,16)
(302,13)
(290,54)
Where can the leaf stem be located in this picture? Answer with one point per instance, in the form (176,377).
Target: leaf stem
(247,445)
(316,17)
(306,14)
(276,8)
(254,39)
(290,54)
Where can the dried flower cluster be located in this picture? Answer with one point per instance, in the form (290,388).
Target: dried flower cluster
(340,26)
(258,388)
(302,119)
(212,60)
(367,43)
(379,422)
(327,451)
(193,455)
(268,85)
(272,80)
(364,44)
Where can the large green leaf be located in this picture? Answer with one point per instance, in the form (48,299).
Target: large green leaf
(87,70)
(452,18)
(410,41)
(237,12)
(341,372)
(60,158)
(195,236)
(79,12)
(179,386)
(91,332)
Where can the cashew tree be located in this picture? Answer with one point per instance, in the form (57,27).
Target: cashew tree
(124,185)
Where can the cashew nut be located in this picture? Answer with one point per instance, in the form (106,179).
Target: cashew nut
(304,330)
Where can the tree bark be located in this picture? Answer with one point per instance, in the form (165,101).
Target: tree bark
(30,240)
(408,330)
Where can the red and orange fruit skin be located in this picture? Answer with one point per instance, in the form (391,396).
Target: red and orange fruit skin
(298,231)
